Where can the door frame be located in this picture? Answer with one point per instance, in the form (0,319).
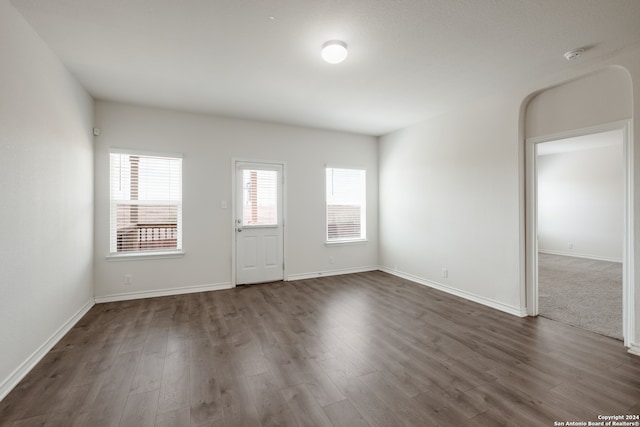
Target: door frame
(234,196)
(628,293)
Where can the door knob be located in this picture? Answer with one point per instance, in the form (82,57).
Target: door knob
(239,230)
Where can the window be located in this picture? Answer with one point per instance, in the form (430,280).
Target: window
(146,204)
(260,197)
(346,205)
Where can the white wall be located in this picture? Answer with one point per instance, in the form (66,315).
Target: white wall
(452,187)
(581,202)
(601,96)
(449,199)
(208,144)
(46,171)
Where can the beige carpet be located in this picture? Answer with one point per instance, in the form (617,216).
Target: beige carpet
(581,292)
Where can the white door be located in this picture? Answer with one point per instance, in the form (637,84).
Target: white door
(258,225)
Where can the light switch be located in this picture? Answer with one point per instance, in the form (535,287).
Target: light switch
(223,204)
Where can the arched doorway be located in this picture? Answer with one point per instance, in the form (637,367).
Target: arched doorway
(599,102)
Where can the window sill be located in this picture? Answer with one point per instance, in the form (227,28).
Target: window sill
(144,256)
(345,242)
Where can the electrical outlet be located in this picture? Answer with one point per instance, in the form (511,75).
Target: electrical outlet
(331,260)
(128,279)
(570,245)
(445,273)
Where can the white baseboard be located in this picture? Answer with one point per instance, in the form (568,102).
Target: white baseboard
(163,292)
(513,310)
(634,349)
(302,276)
(25,367)
(586,256)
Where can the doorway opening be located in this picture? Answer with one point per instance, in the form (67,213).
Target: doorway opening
(579,229)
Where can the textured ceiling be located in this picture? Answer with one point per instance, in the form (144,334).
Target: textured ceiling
(408,59)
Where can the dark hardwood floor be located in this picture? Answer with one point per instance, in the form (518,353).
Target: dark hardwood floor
(365,349)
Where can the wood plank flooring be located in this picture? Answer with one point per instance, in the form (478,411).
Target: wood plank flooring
(366,349)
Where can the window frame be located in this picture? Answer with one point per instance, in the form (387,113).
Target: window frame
(363,212)
(145,254)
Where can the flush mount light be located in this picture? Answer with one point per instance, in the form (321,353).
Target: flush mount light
(334,51)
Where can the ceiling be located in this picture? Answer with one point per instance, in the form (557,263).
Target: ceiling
(260,59)
(579,143)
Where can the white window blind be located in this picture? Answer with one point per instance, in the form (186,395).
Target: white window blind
(146,203)
(260,197)
(346,204)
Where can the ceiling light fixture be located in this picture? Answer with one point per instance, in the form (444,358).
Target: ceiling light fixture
(334,51)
